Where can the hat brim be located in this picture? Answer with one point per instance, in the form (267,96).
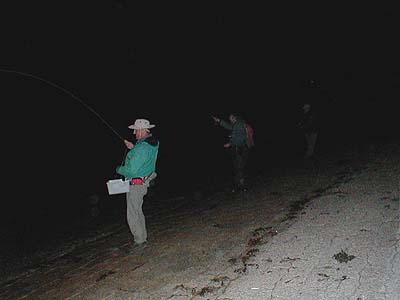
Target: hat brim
(148,127)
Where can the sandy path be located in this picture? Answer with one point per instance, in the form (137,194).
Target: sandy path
(197,246)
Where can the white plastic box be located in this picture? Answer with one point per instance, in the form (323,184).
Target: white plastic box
(117,186)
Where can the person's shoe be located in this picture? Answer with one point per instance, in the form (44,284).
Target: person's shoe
(136,247)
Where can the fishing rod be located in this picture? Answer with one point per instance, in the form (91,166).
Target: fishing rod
(69,93)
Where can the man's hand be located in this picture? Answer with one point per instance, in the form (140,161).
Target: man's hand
(216,120)
(227,145)
(128,144)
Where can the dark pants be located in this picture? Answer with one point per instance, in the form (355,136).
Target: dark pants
(311,139)
(239,160)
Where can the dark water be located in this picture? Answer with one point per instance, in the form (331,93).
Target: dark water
(58,155)
(69,196)
(51,206)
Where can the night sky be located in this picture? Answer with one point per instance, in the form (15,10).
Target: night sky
(176,64)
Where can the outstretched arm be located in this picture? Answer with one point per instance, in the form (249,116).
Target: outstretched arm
(216,120)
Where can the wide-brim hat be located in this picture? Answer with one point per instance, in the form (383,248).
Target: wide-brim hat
(141,124)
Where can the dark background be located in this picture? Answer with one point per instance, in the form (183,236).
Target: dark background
(75,75)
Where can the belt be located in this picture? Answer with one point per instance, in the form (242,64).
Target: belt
(141,180)
(136,181)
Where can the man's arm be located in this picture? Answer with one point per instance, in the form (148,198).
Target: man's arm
(216,120)
(223,123)
(226,125)
(136,158)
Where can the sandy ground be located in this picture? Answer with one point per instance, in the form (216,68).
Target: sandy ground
(198,246)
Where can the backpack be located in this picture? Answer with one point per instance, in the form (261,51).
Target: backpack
(250,133)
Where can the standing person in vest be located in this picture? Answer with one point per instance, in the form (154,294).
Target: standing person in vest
(238,147)
(139,167)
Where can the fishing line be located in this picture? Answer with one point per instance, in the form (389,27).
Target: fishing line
(67,92)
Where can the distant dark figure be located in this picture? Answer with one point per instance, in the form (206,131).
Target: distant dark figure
(238,147)
(139,168)
(309,126)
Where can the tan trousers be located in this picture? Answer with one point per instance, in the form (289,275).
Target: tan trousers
(134,212)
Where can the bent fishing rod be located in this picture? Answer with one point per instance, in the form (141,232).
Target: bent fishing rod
(67,92)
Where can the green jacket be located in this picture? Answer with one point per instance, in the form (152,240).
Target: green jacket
(238,136)
(141,159)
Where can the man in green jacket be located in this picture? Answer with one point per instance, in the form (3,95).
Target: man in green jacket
(139,167)
(238,146)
